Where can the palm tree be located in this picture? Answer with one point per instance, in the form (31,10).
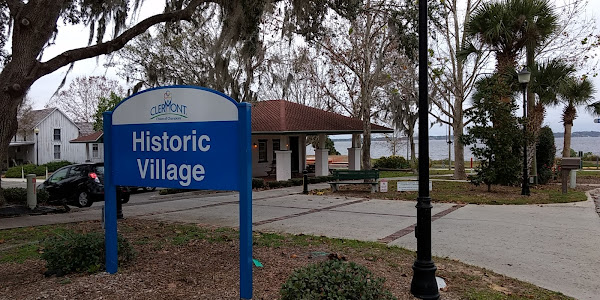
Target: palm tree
(574,92)
(546,78)
(506,27)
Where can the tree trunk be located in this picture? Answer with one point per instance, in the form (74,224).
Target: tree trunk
(567,140)
(459,151)
(534,128)
(569,115)
(366,142)
(411,140)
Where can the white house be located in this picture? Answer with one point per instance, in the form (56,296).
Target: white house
(45,136)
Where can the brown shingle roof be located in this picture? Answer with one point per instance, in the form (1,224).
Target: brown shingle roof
(96,137)
(280,116)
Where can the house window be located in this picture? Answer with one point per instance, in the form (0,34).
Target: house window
(56,151)
(276,144)
(95,150)
(262,150)
(57,134)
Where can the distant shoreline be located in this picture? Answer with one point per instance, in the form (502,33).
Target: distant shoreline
(444,137)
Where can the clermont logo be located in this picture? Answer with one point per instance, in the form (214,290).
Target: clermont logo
(168,110)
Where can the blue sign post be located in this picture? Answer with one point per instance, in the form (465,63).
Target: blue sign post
(180,137)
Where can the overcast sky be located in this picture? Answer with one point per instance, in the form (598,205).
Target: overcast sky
(76,36)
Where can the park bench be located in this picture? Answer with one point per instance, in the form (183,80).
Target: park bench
(340,175)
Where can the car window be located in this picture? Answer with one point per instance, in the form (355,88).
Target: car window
(100,170)
(78,171)
(59,175)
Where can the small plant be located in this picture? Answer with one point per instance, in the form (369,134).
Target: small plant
(334,279)
(76,252)
(258,183)
(391,162)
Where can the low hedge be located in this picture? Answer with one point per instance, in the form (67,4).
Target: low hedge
(19,196)
(18,171)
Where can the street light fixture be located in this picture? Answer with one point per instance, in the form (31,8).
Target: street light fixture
(37,147)
(524,77)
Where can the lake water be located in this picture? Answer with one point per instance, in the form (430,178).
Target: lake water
(438,149)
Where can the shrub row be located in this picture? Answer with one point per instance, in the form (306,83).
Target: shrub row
(259,183)
(19,196)
(15,172)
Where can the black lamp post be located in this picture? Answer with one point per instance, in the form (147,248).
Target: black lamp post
(524,77)
(423,285)
(37,147)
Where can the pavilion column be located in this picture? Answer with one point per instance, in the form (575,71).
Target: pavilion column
(354,153)
(284,165)
(321,157)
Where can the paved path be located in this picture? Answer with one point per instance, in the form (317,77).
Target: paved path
(553,246)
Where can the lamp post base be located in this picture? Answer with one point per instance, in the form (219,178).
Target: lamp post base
(424,285)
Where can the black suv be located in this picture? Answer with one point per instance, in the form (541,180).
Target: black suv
(79,185)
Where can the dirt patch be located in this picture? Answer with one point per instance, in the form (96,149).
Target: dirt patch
(199,262)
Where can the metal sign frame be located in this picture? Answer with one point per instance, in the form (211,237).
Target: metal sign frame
(209,111)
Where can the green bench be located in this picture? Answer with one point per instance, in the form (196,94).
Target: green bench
(340,175)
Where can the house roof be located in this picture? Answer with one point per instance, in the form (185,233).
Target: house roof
(281,116)
(35,117)
(96,137)
(85,128)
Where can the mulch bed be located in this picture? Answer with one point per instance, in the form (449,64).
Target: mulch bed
(201,269)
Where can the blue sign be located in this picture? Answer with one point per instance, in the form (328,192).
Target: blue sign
(180,137)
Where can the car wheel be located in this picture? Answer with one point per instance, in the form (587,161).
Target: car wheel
(149,188)
(125,198)
(83,199)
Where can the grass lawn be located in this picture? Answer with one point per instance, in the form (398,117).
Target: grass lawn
(466,193)
(182,261)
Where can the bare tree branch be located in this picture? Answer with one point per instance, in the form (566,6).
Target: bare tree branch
(119,42)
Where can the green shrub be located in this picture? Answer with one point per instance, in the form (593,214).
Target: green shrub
(19,196)
(391,162)
(589,156)
(42,196)
(55,165)
(334,279)
(274,184)
(15,172)
(297,181)
(319,179)
(545,154)
(15,195)
(77,252)
(258,183)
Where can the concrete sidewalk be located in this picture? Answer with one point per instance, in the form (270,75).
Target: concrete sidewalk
(553,246)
